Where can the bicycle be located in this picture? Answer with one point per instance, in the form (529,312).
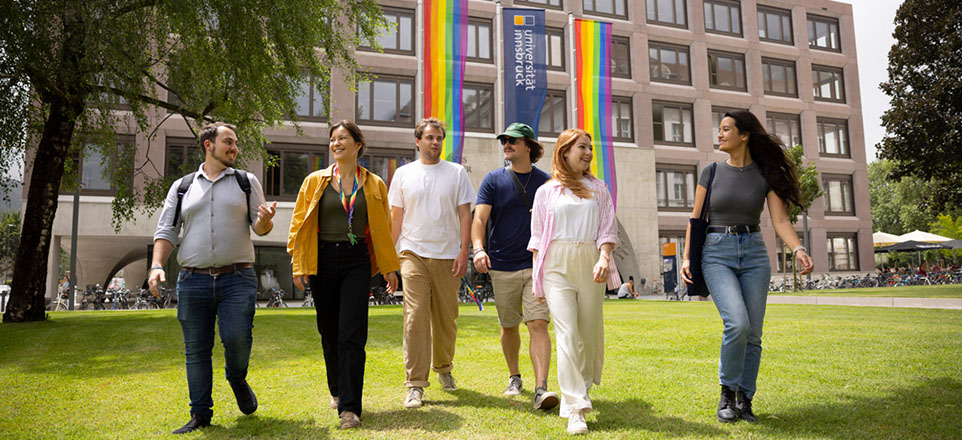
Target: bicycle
(60,303)
(308,298)
(119,299)
(93,298)
(276,298)
(143,301)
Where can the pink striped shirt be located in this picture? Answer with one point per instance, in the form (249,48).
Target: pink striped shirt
(542,228)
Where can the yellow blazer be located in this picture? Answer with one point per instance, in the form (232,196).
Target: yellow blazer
(302,239)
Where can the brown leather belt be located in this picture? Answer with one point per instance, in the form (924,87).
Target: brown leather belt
(230,268)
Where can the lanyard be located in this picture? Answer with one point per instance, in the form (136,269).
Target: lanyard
(348,202)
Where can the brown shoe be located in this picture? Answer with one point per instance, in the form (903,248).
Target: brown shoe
(349,420)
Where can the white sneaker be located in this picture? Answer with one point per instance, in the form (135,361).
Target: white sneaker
(413,400)
(514,386)
(447,382)
(577,423)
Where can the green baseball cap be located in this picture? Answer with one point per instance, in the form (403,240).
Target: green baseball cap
(518,130)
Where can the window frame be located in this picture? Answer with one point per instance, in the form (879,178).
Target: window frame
(713,55)
(784,13)
(837,71)
(552,31)
(371,152)
(678,48)
(650,20)
(782,248)
(478,22)
(546,4)
(774,116)
(677,105)
(186,144)
(77,157)
(312,101)
(843,179)
(564,113)
(478,87)
(398,79)
(830,250)
(811,23)
(398,11)
(312,150)
(767,64)
(729,4)
(594,10)
(626,41)
(662,170)
(820,123)
(615,100)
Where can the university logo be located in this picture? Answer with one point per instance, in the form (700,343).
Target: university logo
(524,20)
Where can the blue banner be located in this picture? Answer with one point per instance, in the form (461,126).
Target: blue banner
(525,80)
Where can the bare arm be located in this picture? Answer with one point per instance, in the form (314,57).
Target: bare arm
(700,192)
(481,215)
(397,215)
(460,265)
(785,231)
(162,250)
(601,271)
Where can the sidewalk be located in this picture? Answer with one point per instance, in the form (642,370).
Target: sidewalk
(867,301)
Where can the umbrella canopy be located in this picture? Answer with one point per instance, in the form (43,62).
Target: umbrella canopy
(911,246)
(885,239)
(927,237)
(954,244)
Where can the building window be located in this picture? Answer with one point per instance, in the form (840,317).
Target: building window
(386,100)
(399,37)
(552,4)
(385,162)
(621,120)
(675,187)
(183,157)
(673,123)
(823,33)
(294,163)
(842,252)
(828,83)
(613,8)
(99,168)
(775,25)
(833,137)
(554,114)
(784,253)
(620,57)
(311,102)
(555,56)
(723,17)
(478,101)
(717,114)
(786,127)
(668,12)
(839,198)
(779,77)
(669,63)
(726,70)
(479,40)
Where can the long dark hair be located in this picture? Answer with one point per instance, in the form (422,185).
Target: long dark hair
(773,162)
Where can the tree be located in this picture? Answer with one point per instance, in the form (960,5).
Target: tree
(895,204)
(947,227)
(924,123)
(9,239)
(65,64)
(811,190)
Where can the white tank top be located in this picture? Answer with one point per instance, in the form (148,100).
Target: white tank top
(576,219)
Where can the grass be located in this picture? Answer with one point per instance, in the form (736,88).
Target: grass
(827,373)
(941,291)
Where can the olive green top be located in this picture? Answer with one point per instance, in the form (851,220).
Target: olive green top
(332,219)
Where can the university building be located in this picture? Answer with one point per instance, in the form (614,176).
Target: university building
(677,65)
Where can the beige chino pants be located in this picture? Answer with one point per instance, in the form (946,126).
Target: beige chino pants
(430,317)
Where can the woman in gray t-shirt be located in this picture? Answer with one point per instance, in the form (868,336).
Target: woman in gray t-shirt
(734,259)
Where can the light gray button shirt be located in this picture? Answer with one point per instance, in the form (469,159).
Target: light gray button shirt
(214,216)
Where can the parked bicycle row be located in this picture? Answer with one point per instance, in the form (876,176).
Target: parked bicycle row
(895,279)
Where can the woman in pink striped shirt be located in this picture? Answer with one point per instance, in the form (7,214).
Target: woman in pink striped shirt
(573,232)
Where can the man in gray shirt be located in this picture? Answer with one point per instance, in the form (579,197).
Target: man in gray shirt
(217,279)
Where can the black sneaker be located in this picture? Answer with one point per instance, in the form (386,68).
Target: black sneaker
(744,407)
(726,406)
(196,422)
(246,400)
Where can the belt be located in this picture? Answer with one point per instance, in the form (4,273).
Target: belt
(230,268)
(736,229)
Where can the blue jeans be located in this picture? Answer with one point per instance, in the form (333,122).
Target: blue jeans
(737,273)
(201,300)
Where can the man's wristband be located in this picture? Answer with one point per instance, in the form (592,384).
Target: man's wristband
(153,268)
(799,248)
(477,251)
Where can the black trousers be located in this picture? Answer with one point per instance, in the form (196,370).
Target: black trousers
(341,290)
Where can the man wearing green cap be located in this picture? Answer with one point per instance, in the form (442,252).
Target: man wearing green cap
(505,198)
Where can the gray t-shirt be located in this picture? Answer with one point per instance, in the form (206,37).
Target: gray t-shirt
(737,195)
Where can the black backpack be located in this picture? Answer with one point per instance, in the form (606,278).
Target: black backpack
(188,180)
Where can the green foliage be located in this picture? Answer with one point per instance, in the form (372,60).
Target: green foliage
(925,85)
(896,206)
(808,181)
(947,227)
(9,241)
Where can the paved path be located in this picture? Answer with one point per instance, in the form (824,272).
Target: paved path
(865,301)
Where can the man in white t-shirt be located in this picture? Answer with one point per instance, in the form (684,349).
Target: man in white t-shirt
(431,224)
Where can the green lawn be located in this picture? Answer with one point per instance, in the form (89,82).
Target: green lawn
(827,372)
(943,291)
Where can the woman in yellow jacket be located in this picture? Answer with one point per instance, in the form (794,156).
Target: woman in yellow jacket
(340,236)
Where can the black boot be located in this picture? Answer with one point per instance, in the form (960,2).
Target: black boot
(726,406)
(246,400)
(196,422)
(744,406)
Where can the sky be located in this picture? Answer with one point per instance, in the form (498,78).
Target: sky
(874,24)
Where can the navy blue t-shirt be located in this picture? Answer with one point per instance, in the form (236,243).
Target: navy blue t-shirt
(510,218)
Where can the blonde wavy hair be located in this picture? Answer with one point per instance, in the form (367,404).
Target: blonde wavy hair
(561,171)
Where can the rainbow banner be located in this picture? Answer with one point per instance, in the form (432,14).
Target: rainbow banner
(445,48)
(592,83)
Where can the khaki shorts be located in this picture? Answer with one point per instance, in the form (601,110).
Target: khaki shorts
(512,290)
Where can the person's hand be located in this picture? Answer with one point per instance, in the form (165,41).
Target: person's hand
(301,281)
(157,276)
(460,266)
(540,299)
(266,212)
(601,270)
(686,275)
(804,261)
(481,261)
(391,279)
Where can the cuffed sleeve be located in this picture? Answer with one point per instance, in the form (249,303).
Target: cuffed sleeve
(166,229)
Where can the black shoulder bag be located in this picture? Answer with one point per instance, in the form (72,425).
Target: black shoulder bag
(698,229)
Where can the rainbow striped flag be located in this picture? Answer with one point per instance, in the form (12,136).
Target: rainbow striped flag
(445,48)
(592,83)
